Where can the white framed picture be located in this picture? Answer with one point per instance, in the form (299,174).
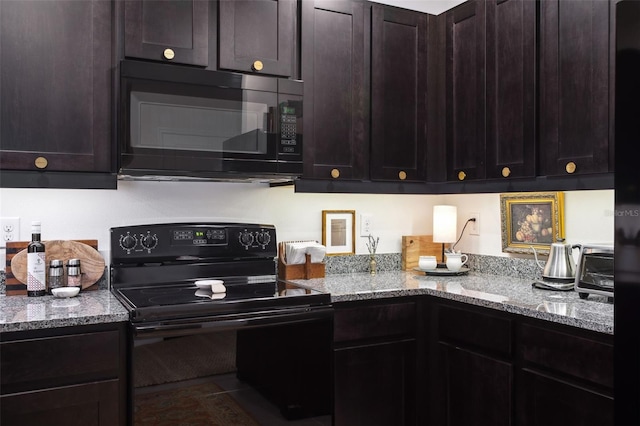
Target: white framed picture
(338,231)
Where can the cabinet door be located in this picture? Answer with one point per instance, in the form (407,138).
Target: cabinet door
(55,79)
(548,401)
(473,387)
(510,81)
(167,30)
(92,404)
(375,385)
(257,35)
(472,347)
(465,91)
(398,94)
(574,87)
(335,72)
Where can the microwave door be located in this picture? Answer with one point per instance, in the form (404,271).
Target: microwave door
(203,125)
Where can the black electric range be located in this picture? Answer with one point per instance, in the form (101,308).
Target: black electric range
(155,269)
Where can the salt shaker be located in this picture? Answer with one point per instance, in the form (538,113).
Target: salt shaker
(56,274)
(74,275)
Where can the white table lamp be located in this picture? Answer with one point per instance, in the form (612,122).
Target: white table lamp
(445,219)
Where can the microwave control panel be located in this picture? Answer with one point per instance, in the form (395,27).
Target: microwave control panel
(289,130)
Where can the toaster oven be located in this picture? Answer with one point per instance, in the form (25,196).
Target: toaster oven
(594,274)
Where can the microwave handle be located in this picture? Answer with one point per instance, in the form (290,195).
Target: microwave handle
(272,120)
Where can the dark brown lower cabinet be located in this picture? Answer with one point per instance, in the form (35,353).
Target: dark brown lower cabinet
(476,388)
(471,370)
(375,363)
(487,367)
(91,404)
(64,376)
(566,376)
(374,385)
(432,361)
(546,400)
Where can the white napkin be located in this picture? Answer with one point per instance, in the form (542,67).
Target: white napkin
(215,286)
(317,252)
(295,252)
(218,288)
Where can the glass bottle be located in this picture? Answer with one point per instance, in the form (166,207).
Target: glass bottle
(36,264)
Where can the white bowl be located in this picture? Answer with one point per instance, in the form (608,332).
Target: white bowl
(65,291)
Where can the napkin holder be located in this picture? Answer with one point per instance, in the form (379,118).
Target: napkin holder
(300,271)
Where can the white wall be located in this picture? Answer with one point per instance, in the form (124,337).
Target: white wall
(88,214)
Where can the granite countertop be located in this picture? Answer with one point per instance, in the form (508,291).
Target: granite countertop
(19,313)
(509,294)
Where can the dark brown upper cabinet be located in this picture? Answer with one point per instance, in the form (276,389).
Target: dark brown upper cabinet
(257,36)
(465,91)
(398,94)
(167,30)
(490,90)
(335,75)
(510,88)
(56,85)
(575,87)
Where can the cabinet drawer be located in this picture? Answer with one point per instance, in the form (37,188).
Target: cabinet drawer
(58,361)
(475,330)
(568,354)
(370,322)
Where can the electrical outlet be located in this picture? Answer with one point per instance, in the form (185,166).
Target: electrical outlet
(10,228)
(366,224)
(475,225)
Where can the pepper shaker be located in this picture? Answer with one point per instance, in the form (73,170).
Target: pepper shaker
(74,275)
(56,274)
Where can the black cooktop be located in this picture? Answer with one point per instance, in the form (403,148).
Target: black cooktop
(172,301)
(143,297)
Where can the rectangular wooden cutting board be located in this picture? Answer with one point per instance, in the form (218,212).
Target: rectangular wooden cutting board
(414,246)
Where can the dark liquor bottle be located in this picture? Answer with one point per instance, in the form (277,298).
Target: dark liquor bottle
(36,264)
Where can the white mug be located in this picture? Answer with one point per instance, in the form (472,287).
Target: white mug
(427,263)
(455,262)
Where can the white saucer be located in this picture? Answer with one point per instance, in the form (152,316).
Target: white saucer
(443,271)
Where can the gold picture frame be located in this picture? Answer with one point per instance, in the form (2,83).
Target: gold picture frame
(339,231)
(531,219)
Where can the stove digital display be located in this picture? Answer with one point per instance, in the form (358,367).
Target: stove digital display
(199,236)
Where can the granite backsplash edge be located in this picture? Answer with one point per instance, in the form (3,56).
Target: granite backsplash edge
(495,265)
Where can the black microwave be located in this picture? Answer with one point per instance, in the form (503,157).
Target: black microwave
(182,123)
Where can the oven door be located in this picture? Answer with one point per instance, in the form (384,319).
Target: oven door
(179,121)
(226,372)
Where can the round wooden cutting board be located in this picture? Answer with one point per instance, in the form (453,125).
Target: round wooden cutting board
(91,261)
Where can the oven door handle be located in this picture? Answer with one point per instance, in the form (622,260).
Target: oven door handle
(211,324)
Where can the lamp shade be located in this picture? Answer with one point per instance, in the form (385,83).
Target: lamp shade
(444,224)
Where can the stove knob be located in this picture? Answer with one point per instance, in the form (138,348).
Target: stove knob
(246,238)
(263,238)
(127,242)
(149,241)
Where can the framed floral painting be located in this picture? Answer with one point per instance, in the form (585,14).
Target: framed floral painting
(531,219)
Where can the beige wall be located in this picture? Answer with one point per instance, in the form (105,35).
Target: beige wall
(79,214)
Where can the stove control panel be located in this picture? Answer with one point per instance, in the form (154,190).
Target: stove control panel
(176,241)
